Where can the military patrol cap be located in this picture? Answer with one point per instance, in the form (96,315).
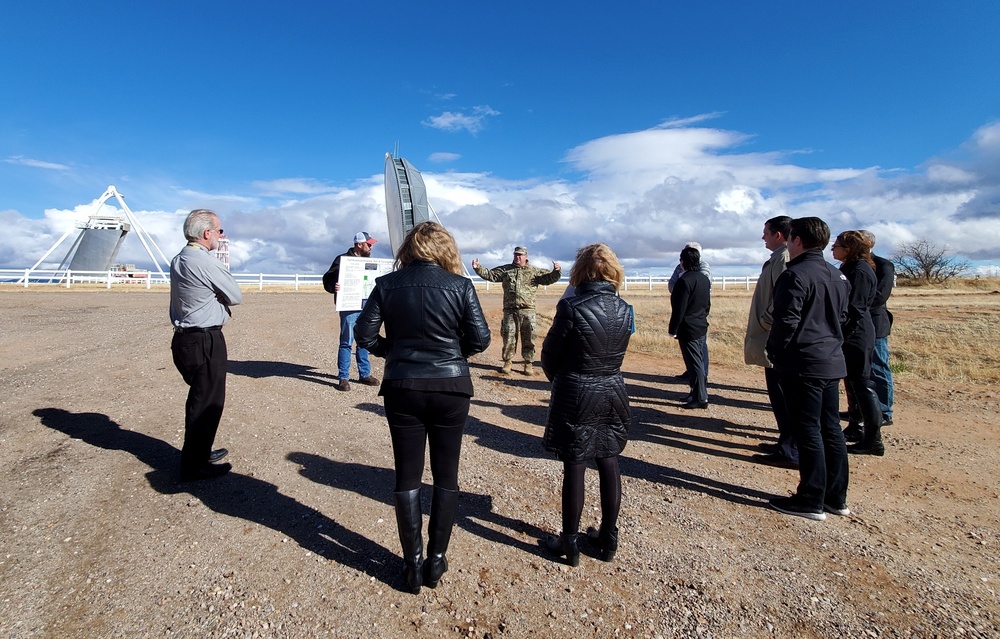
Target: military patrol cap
(520,250)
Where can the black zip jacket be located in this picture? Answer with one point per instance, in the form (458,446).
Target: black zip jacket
(433,322)
(810,306)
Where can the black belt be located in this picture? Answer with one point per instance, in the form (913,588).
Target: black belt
(196,329)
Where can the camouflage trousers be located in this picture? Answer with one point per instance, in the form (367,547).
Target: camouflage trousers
(518,321)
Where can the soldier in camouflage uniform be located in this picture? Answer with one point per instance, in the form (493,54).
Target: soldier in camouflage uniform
(520,282)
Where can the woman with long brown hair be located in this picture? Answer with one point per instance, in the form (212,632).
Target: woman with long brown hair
(853,252)
(433,324)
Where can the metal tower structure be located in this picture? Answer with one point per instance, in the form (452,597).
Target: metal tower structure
(100,237)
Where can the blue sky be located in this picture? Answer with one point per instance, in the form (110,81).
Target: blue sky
(642,124)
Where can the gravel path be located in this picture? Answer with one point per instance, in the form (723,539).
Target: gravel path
(300,540)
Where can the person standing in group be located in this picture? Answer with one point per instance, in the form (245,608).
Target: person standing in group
(589,411)
(810,305)
(201,292)
(362,248)
(690,304)
(433,324)
(885,279)
(853,252)
(706,269)
(784,453)
(520,282)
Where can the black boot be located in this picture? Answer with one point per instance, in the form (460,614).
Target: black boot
(854,432)
(871,440)
(439,534)
(606,543)
(564,546)
(410,524)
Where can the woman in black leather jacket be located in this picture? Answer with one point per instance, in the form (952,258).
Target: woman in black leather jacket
(852,250)
(589,412)
(433,323)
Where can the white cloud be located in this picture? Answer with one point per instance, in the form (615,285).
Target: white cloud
(451,121)
(645,193)
(442,156)
(37,164)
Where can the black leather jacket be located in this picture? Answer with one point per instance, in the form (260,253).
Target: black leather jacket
(433,322)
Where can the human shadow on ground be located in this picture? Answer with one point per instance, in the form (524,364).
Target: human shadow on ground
(258,369)
(642,469)
(474,513)
(234,494)
(647,426)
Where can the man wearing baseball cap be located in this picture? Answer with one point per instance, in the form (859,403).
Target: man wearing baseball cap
(362,248)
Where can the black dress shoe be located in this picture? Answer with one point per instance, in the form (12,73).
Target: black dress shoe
(683,375)
(775,459)
(694,404)
(208,471)
(877,449)
(769,447)
(217,455)
(886,420)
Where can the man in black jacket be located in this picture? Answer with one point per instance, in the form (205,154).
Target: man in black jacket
(885,279)
(362,248)
(810,304)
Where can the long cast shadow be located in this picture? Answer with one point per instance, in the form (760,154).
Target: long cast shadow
(258,369)
(474,513)
(234,494)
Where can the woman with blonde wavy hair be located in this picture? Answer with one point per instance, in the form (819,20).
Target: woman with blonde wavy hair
(589,412)
(433,324)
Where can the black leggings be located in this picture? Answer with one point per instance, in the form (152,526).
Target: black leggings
(572,493)
(417,416)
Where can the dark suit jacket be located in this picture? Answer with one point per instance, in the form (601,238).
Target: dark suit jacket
(885,277)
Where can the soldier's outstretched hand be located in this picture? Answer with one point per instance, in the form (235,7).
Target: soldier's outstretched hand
(475,263)
(556,267)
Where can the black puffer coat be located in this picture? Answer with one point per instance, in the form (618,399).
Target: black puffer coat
(582,355)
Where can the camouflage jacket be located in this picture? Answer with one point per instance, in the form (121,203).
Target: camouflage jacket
(519,283)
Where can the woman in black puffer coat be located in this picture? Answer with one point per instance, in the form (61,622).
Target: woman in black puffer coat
(589,411)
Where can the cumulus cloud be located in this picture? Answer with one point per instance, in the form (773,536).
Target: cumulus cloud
(645,193)
(459,121)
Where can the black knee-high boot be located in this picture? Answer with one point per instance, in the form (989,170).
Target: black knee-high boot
(410,525)
(443,505)
(871,410)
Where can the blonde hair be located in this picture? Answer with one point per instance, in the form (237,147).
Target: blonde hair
(597,263)
(430,242)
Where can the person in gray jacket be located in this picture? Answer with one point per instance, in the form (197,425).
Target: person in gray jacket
(784,453)
(201,292)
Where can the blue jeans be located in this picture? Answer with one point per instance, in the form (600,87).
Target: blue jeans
(347,321)
(882,375)
(813,407)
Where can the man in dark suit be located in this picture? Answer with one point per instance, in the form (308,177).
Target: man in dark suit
(885,279)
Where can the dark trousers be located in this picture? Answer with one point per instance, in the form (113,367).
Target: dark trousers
(416,417)
(786,435)
(201,359)
(813,407)
(695,361)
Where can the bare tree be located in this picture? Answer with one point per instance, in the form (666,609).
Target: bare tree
(925,261)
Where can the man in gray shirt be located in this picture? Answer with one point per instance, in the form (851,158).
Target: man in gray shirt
(201,292)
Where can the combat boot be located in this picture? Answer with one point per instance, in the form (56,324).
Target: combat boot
(529,369)
(506,367)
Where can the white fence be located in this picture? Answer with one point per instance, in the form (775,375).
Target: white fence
(65,278)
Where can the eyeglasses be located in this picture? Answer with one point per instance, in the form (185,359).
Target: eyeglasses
(219,231)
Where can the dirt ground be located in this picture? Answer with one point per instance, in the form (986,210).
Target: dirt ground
(99,539)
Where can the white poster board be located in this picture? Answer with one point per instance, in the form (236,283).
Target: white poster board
(357,280)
